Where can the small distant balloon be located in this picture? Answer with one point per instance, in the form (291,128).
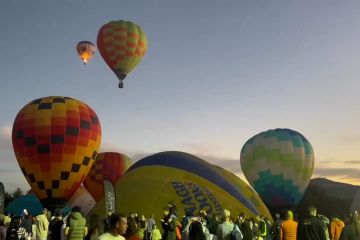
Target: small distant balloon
(122,45)
(86,50)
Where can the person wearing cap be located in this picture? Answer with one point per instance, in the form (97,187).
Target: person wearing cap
(288,228)
(311,227)
(42,225)
(76,225)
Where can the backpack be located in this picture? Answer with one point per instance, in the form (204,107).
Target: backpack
(262,228)
(275,230)
(236,233)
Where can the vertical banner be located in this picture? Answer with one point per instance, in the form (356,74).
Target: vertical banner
(2,197)
(109,197)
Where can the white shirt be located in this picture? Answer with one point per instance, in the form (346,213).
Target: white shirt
(109,236)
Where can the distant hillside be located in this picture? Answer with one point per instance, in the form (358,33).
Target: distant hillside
(330,197)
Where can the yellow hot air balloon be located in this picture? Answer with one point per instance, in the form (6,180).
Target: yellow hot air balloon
(189,182)
(86,50)
(122,44)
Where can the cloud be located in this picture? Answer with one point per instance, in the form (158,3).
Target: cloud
(334,169)
(203,147)
(136,156)
(342,171)
(230,164)
(109,147)
(339,172)
(7,156)
(352,139)
(12,181)
(213,153)
(352,162)
(10,171)
(5,138)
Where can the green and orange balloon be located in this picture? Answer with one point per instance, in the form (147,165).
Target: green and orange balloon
(122,45)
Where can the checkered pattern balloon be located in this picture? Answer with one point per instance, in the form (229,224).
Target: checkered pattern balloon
(109,166)
(55,140)
(122,44)
(278,164)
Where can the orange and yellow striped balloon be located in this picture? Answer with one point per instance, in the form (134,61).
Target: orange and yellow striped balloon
(122,44)
(56,140)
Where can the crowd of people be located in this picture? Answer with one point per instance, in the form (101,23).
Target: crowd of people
(116,226)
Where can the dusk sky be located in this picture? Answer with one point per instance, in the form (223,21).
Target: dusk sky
(216,73)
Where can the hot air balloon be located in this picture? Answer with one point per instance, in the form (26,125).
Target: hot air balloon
(245,189)
(83,199)
(86,50)
(55,140)
(122,45)
(189,182)
(278,164)
(109,166)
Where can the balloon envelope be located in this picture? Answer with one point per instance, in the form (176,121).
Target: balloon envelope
(86,50)
(245,189)
(122,45)
(109,166)
(55,140)
(83,199)
(190,182)
(278,164)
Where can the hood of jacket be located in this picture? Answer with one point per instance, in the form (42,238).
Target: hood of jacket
(76,215)
(338,222)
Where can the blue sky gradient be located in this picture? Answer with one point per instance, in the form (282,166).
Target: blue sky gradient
(215,74)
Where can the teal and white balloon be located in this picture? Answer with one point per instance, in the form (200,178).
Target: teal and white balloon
(278,164)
